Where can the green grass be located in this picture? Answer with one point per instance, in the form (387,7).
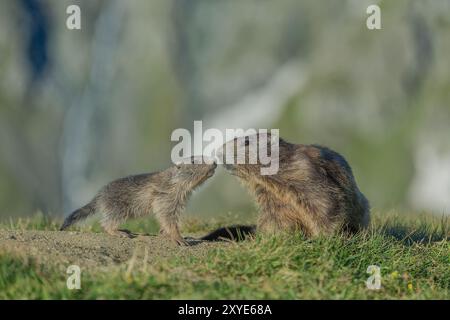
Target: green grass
(412,251)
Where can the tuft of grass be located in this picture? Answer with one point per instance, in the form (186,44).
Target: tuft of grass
(412,251)
(38,221)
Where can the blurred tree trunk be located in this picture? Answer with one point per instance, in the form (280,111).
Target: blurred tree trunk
(34,169)
(422,46)
(184,53)
(86,117)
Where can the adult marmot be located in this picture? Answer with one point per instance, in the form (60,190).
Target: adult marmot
(313,190)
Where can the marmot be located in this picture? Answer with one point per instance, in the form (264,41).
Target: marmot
(313,190)
(165,193)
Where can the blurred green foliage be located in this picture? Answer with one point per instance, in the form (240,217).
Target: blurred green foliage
(109,101)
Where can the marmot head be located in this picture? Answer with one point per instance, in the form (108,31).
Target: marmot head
(193,170)
(251,154)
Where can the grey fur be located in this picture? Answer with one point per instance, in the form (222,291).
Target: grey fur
(164,193)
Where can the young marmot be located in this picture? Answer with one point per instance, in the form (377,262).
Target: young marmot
(165,193)
(313,189)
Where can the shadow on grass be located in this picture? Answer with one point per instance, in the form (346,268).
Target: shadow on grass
(410,235)
(231,233)
(406,234)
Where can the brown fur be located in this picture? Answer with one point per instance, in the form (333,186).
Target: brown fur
(313,191)
(164,193)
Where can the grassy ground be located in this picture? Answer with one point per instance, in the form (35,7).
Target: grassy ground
(412,251)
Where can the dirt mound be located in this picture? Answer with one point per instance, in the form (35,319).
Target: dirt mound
(96,249)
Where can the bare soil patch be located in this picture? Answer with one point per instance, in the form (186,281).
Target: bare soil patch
(91,250)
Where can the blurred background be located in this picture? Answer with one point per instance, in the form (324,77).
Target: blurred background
(79,108)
